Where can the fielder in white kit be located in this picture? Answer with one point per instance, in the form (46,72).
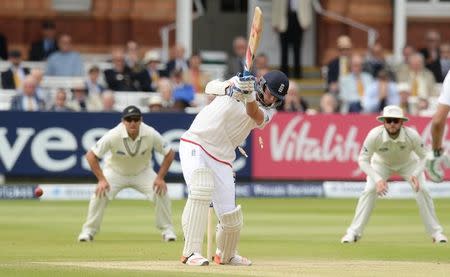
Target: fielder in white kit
(127,150)
(207,151)
(388,149)
(437,159)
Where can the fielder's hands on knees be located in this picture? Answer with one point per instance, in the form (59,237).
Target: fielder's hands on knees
(415,183)
(159,186)
(102,188)
(382,188)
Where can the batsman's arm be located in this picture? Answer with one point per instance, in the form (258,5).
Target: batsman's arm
(438,125)
(254,112)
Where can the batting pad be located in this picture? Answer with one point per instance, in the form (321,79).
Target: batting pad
(216,87)
(228,232)
(195,213)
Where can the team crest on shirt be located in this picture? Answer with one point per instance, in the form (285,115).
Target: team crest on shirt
(402,147)
(119,152)
(384,149)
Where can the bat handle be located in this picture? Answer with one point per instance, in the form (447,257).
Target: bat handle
(247,73)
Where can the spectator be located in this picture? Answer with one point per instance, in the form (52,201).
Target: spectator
(132,59)
(328,104)
(60,102)
(92,83)
(183,94)
(14,76)
(340,66)
(407,52)
(352,87)
(404,92)
(376,61)
(65,61)
(418,77)
(290,19)
(381,93)
(237,61)
(194,75)
(293,102)
(108,101)
(165,89)
(431,51)
(82,102)
(27,100)
(155,104)
(442,65)
(261,65)
(120,77)
(38,75)
(43,48)
(150,75)
(3,48)
(178,62)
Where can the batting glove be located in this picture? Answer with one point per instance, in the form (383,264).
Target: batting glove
(245,83)
(434,166)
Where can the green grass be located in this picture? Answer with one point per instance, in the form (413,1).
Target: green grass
(294,230)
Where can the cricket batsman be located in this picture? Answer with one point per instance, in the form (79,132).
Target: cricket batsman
(207,151)
(388,149)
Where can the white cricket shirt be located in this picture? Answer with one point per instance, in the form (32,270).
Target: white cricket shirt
(444,97)
(222,126)
(128,157)
(394,154)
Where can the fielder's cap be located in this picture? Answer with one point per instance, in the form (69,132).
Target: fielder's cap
(131,111)
(277,82)
(152,56)
(344,42)
(392,111)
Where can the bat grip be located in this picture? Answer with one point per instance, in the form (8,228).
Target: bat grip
(247,73)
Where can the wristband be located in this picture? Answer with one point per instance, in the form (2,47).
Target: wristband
(437,152)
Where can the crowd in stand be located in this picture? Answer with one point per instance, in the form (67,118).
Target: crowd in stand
(356,82)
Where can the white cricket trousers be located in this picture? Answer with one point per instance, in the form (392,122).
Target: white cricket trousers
(366,201)
(192,157)
(143,183)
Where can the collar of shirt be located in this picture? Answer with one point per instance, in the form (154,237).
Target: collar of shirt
(400,138)
(124,133)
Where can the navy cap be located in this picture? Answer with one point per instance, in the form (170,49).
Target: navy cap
(131,111)
(277,82)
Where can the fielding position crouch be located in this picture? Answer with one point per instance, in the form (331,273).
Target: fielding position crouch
(128,164)
(207,151)
(387,149)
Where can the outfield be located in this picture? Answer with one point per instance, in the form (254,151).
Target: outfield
(283,237)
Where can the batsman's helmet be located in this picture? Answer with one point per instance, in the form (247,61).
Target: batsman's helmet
(277,83)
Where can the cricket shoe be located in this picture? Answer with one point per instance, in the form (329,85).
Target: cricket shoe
(195,259)
(236,260)
(169,235)
(350,238)
(440,238)
(84,237)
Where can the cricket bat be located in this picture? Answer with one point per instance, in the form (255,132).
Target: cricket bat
(218,88)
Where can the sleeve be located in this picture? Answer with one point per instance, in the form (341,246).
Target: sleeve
(369,147)
(268,115)
(102,146)
(421,151)
(444,97)
(160,145)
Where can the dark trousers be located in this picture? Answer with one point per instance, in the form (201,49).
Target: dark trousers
(292,37)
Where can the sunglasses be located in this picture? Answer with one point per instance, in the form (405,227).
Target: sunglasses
(135,119)
(392,120)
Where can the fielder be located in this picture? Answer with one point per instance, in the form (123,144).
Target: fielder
(387,149)
(435,163)
(207,151)
(128,164)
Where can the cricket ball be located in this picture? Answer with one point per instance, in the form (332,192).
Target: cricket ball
(38,192)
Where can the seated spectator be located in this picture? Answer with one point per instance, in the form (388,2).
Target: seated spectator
(92,83)
(183,94)
(60,102)
(236,62)
(195,76)
(430,52)
(293,102)
(376,61)
(340,66)
(442,65)
(108,101)
(165,89)
(150,75)
(65,61)
(82,102)
(27,100)
(41,49)
(3,47)
(38,75)
(418,77)
(402,65)
(14,76)
(423,107)
(178,62)
(328,104)
(155,104)
(352,87)
(381,93)
(120,77)
(261,65)
(404,91)
(132,59)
